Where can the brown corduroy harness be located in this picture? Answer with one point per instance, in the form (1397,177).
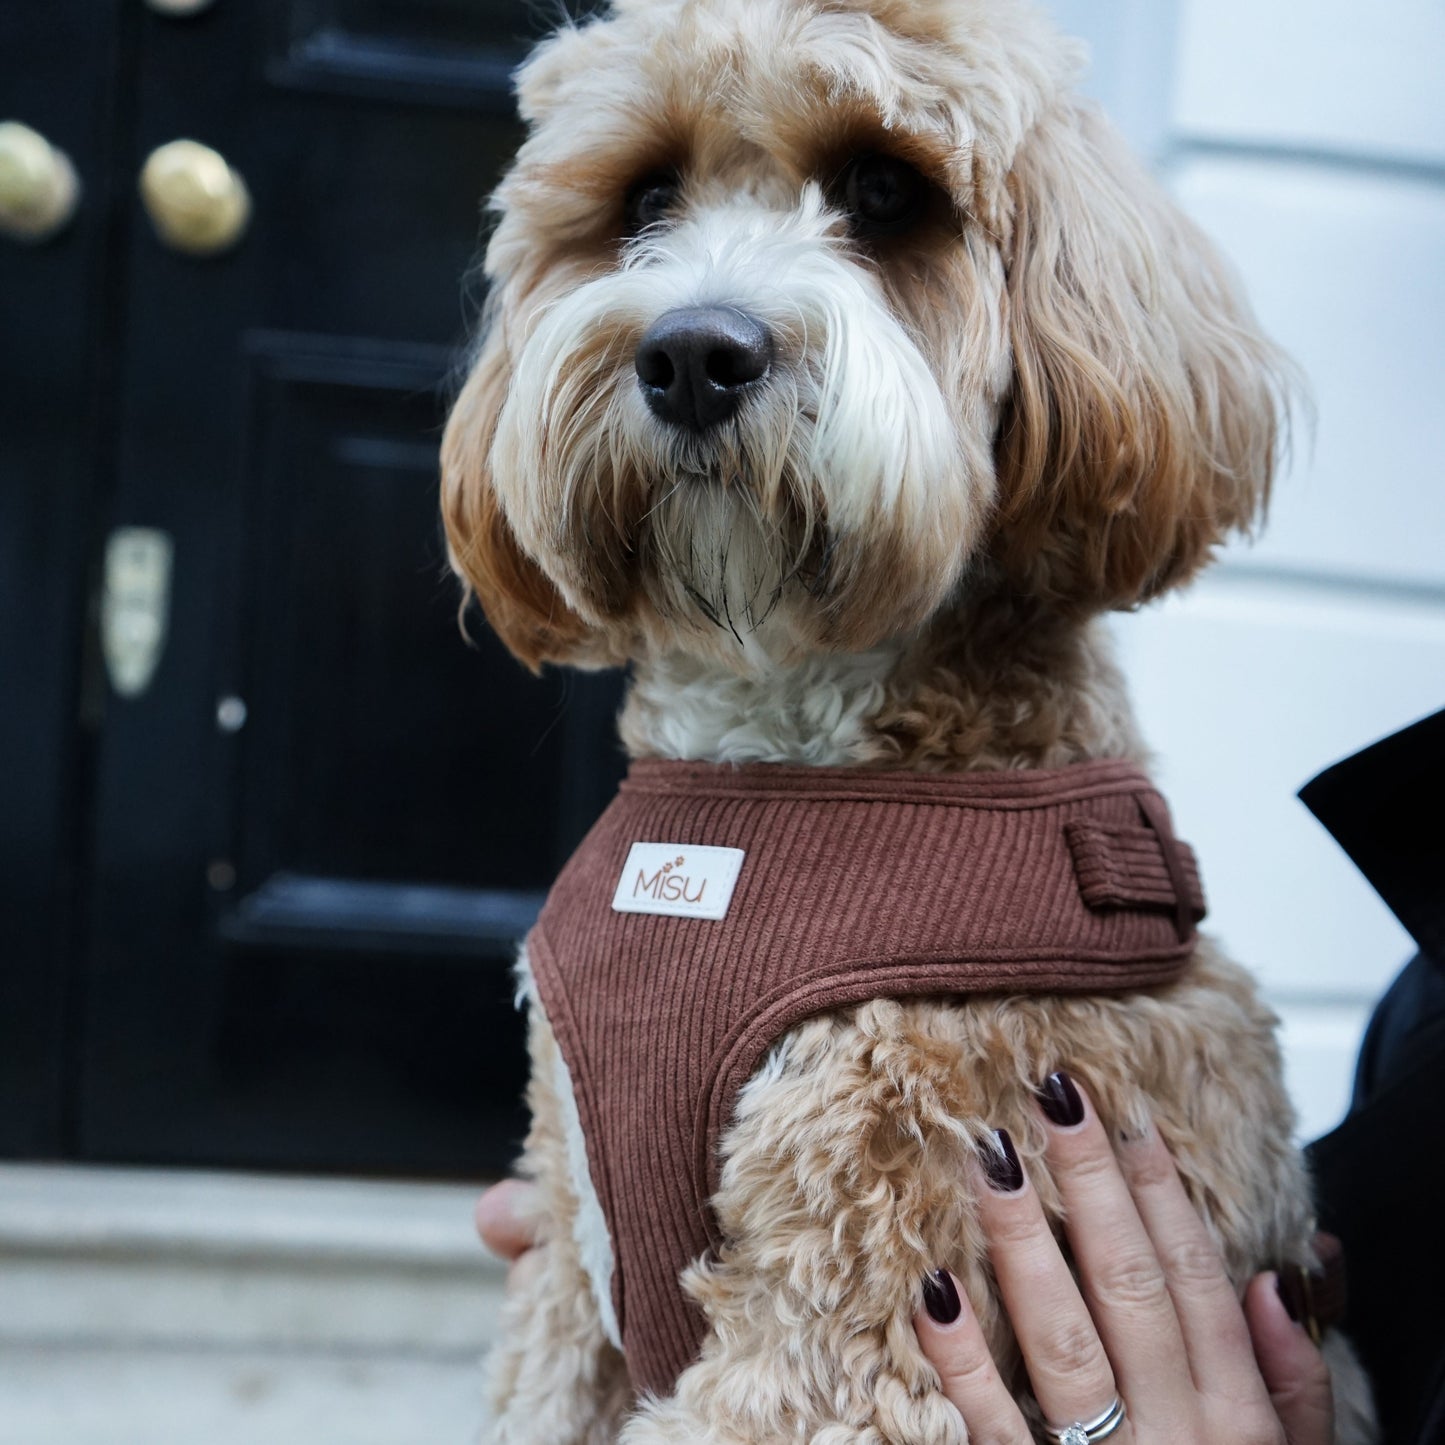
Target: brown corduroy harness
(713,908)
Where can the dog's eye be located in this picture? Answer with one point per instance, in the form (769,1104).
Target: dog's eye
(651,200)
(881,193)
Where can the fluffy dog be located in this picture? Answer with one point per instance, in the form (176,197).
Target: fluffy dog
(840,370)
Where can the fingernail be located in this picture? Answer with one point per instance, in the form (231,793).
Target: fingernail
(940,1297)
(1001,1164)
(1290,1290)
(1060,1100)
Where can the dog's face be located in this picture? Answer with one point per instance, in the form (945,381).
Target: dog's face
(803,312)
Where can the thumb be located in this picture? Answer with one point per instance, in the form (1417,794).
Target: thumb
(1294,1371)
(506,1218)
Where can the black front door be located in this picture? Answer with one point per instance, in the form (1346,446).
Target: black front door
(310,822)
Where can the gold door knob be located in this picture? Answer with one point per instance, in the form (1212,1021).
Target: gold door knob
(39,191)
(196,202)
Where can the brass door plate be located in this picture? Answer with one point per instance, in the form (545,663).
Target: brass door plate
(135,606)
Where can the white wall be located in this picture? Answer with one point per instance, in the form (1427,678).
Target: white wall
(1309,140)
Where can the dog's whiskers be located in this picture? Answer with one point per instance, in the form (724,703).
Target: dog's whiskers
(662,500)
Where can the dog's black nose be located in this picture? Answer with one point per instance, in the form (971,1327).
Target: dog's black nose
(695,363)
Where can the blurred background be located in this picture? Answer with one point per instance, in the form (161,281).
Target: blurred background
(269,831)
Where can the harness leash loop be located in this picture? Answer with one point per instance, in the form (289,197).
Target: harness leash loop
(1153,808)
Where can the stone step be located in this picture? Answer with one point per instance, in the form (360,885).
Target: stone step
(97,1395)
(131,1258)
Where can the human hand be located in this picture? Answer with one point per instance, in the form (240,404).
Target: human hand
(506,1220)
(1157,1325)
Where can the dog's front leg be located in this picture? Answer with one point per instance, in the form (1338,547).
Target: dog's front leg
(554,1378)
(845,1178)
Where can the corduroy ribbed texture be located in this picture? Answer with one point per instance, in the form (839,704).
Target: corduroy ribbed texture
(857,884)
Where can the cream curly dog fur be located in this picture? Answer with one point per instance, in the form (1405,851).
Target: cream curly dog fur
(1005,387)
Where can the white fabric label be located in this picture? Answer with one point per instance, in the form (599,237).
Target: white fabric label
(684,879)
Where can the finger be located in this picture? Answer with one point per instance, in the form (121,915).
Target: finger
(1216,1337)
(506,1218)
(949,1335)
(1122,1278)
(1294,1371)
(1067,1366)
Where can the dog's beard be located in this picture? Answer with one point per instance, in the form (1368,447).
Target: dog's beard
(711,548)
(832,509)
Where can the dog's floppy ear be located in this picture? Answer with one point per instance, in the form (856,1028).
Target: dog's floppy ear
(1145,408)
(523,607)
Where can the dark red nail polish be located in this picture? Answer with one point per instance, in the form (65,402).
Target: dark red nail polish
(940,1297)
(1060,1100)
(1001,1164)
